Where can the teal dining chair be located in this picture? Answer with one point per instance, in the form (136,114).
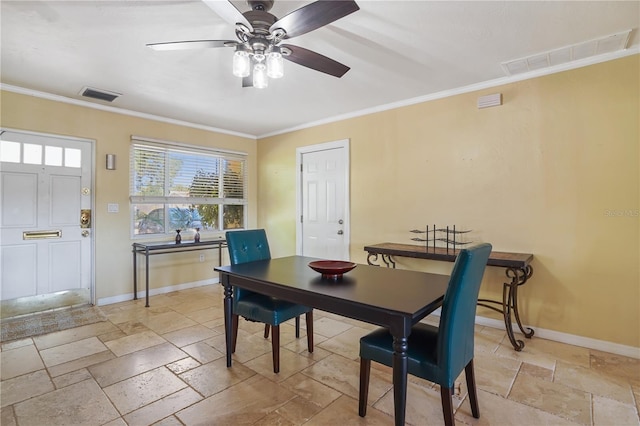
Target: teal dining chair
(248,246)
(438,354)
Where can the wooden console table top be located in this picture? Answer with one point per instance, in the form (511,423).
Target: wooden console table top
(497,258)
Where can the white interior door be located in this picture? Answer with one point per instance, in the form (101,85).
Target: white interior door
(45,185)
(323,201)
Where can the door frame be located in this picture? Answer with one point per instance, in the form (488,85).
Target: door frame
(344,144)
(92,144)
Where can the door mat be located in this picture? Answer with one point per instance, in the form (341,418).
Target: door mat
(48,322)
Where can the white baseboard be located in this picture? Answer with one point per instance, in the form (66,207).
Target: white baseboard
(570,339)
(156,291)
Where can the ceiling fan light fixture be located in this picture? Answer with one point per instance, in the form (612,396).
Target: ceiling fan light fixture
(275,64)
(260,79)
(241,63)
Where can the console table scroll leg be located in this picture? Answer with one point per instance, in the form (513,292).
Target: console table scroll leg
(135,276)
(521,279)
(508,296)
(373,256)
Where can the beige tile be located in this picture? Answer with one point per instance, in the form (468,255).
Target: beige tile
(19,361)
(636,395)
(167,322)
(329,327)
(116,422)
(14,344)
(273,419)
(347,343)
(135,342)
(311,390)
(545,353)
(169,421)
(424,405)
(611,412)
(132,327)
(554,398)
(244,403)
(85,362)
(189,335)
(73,335)
(536,371)
(248,347)
(72,351)
(495,410)
(71,378)
(343,375)
(24,387)
(298,410)
(290,364)
(617,365)
(158,410)
(115,370)
(183,365)
(594,382)
(203,352)
(344,411)
(215,376)
(495,374)
(82,403)
(206,315)
(192,305)
(138,391)
(7,418)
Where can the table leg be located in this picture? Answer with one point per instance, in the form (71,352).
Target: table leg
(135,276)
(400,369)
(146,265)
(518,278)
(228,299)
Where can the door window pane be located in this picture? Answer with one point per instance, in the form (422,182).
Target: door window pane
(32,153)
(72,157)
(52,155)
(10,151)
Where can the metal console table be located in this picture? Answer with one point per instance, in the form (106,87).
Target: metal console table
(518,271)
(150,249)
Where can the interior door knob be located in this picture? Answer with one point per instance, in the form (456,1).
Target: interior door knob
(340,232)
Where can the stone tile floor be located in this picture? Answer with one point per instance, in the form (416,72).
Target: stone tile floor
(165,365)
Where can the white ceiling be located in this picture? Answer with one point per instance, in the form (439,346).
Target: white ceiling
(397,51)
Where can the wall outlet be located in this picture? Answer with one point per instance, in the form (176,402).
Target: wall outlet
(202,258)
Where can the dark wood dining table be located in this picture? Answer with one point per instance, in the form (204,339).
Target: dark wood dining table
(392,298)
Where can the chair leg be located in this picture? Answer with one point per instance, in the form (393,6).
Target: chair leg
(446,395)
(234,328)
(275,347)
(298,327)
(309,320)
(365,370)
(471,387)
(266,331)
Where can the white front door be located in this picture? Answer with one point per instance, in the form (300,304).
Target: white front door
(45,245)
(323,201)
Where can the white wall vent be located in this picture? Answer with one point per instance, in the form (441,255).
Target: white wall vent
(574,52)
(102,95)
(490,100)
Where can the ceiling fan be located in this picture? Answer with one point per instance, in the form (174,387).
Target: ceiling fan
(258,50)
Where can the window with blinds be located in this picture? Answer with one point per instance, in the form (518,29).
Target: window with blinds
(176,187)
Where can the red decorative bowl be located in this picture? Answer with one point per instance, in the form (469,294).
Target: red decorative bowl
(332,269)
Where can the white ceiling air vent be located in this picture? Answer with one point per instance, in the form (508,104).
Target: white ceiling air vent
(563,55)
(102,95)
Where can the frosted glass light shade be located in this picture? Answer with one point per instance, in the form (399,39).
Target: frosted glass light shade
(260,79)
(241,63)
(275,65)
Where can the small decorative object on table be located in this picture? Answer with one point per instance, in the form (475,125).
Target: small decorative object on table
(196,237)
(332,269)
(449,238)
(178,236)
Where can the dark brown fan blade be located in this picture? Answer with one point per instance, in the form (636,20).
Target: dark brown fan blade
(315,61)
(192,44)
(228,12)
(313,16)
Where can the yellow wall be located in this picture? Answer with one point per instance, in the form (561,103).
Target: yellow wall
(112,134)
(546,173)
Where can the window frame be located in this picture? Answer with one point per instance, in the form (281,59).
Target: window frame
(167,202)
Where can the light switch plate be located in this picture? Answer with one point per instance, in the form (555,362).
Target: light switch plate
(113,208)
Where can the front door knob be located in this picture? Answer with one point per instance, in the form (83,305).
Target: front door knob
(340,232)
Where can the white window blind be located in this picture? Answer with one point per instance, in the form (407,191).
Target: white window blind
(171,182)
